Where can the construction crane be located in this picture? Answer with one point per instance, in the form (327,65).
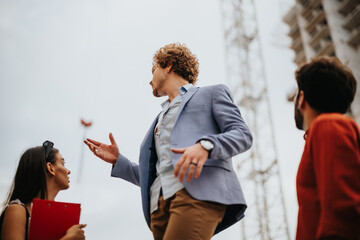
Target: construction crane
(258,169)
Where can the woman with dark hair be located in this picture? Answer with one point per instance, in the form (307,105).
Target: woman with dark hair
(41,173)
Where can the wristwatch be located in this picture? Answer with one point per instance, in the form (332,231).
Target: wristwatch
(207,145)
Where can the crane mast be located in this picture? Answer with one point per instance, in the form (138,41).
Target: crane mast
(258,169)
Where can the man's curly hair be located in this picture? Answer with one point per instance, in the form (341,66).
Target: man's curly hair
(184,63)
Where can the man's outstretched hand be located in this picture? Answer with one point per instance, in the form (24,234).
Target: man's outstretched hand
(108,153)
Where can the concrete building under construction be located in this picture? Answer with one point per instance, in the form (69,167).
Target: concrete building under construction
(327,28)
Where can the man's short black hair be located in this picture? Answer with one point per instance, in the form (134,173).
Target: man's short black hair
(328,85)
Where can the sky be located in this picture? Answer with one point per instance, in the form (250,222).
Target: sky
(61,61)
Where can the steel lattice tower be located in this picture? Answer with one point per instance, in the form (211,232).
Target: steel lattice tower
(258,169)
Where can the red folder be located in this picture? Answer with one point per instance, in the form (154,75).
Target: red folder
(50,220)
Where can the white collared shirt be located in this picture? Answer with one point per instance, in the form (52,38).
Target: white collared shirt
(165,178)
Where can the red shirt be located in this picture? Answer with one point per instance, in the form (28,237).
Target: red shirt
(328,180)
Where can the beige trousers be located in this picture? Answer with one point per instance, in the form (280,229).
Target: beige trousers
(182,217)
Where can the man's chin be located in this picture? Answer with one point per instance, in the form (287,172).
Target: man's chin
(299,121)
(156,94)
(299,126)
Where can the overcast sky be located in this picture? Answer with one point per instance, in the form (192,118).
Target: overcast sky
(62,60)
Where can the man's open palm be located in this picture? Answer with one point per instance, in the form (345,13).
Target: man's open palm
(108,153)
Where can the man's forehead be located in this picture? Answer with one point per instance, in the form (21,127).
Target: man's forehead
(154,67)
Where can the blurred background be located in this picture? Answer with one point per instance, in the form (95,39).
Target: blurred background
(63,61)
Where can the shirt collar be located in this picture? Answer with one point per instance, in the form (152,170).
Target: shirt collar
(182,90)
(306,135)
(185,88)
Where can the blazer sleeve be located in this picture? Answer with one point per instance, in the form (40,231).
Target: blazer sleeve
(335,150)
(234,136)
(126,170)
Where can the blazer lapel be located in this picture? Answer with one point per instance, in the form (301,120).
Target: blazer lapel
(185,99)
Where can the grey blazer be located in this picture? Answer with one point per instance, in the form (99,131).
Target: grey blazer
(205,113)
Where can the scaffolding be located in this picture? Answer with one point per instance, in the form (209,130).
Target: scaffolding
(258,169)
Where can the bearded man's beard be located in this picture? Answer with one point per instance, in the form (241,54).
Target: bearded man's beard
(299,118)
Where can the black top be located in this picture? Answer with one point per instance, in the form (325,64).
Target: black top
(27,217)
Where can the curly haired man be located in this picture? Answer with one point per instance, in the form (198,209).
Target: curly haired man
(188,185)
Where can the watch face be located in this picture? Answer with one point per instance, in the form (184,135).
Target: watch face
(206,144)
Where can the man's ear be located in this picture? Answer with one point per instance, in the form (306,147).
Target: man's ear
(50,168)
(301,102)
(169,68)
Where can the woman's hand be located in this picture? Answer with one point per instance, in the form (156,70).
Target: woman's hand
(75,232)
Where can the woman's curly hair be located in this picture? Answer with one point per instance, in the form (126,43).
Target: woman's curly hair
(184,63)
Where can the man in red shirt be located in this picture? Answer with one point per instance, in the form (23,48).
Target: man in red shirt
(328,179)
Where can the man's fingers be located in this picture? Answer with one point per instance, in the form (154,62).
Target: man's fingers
(182,173)
(190,156)
(96,152)
(92,147)
(199,167)
(112,140)
(178,166)
(96,143)
(178,150)
(191,172)
(89,145)
(183,170)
